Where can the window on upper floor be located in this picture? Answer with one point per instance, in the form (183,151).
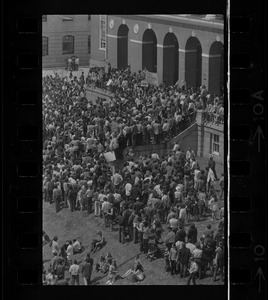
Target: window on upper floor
(45,46)
(44,18)
(102,31)
(215,144)
(68,44)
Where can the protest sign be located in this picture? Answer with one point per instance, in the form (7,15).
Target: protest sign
(151,78)
(109,156)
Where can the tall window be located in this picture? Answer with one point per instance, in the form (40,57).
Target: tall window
(44,18)
(215,144)
(68,44)
(45,46)
(89,17)
(89,44)
(103,31)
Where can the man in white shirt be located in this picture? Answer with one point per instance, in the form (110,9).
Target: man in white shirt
(106,205)
(128,188)
(74,271)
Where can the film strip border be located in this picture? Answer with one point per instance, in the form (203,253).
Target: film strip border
(247,151)
(247,157)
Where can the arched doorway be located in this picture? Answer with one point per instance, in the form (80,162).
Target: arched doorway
(122,47)
(149,51)
(193,62)
(216,68)
(170,59)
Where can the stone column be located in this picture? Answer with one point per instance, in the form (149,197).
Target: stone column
(135,55)
(205,70)
(112,50)
(181,66)
(160,63)
(200,133)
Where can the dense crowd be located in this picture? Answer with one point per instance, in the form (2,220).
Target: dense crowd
(149,193)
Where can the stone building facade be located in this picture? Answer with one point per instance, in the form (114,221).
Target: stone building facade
(184,48)
(64,36)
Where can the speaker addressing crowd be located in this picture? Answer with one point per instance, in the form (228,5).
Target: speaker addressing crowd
(150,192)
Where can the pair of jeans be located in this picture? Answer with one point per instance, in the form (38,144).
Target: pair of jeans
(173,267)
(121,234)
(145,245)
(135,235)
(75,278)
(183,269)
(191,277)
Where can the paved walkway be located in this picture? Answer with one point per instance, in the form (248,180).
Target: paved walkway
(62,72)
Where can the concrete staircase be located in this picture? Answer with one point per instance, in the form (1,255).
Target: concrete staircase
(187,138)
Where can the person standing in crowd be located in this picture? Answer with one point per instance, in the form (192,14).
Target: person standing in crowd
(221,183)
(122,227)
(212,166)
(86,270)
(184,255)
(192,233)
(169,240)
(74,271)
(55,245)
(173,257)
(192,271)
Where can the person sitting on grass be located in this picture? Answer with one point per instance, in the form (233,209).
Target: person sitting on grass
(136,271)
(96,243)
(102,266)
(77,247)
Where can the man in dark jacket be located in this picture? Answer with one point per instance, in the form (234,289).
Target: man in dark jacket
(122,227)
(192,233)
(180,235)
(183,258)
(71,195)
(86,269)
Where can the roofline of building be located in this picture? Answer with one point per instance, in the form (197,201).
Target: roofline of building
(198,24)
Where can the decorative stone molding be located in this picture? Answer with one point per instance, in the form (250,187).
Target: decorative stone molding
(111,23)
(136,28)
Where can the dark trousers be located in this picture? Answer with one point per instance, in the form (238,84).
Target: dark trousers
(173,267)
(130,232)
(75,278)
(50,196)
(89,205)
(72,204)
(145,245)
(199,263)
(121,234)
(183,268)
(191,277)
(141,241)
(135,235)
(57,204)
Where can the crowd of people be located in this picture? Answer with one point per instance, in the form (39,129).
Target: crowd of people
(150,194)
